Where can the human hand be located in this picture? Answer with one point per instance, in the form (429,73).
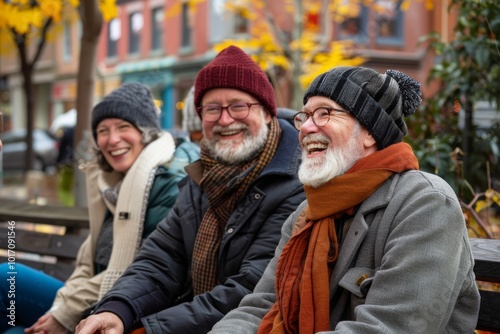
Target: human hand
(104,323)
(46,324)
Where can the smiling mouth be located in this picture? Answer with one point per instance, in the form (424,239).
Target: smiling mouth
(230,132)
(118,152)
(316,147)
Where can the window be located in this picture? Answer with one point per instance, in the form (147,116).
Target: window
(382,23)
(114,34)
(225,24)
(157,21)
(389,22)
(355,27)
(67,42)
(136,23)
(186,26)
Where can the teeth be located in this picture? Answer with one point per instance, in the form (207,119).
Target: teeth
(229,132)
(314,147)
(118,152)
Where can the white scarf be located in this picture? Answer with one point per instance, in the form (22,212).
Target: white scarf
(130,210)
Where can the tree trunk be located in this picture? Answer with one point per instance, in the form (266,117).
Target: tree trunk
(27,69)
(27,72)
(92,20)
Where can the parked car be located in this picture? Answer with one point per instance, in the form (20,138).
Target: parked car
(45,146)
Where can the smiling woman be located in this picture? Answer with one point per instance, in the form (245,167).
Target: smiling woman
(120,143)
(131,186)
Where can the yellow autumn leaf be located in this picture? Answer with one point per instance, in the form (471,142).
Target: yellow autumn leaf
(496,198)
(108,9)
(20,2)
(51,9)
(282,61)
(173,11)
(480,205)
(4,14)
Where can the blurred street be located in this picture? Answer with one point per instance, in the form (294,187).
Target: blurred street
(37,188)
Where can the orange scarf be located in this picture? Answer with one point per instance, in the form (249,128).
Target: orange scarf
(305,265)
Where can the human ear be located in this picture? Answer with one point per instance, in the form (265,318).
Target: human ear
(369,141)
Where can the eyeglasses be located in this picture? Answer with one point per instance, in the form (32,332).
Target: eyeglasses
(320,116)
(238,110)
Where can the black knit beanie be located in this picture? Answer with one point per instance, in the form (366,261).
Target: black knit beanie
(378,101)
(132,102)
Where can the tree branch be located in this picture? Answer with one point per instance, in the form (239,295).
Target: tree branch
(41,41)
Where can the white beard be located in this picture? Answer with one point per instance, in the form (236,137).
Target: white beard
(224,150)
(317,171)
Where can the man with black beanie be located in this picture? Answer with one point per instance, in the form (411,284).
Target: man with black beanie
(379,246)
(222,232)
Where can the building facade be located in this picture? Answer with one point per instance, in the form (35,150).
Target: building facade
(163,44)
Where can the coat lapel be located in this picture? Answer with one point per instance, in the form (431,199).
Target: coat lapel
(353,241)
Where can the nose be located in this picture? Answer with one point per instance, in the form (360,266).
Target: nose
(225,118)
(309,127)
(114,137)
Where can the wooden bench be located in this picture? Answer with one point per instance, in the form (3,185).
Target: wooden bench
(487,269)
(53,252)
(65,247)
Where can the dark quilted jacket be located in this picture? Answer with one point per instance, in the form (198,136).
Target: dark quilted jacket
(157,286)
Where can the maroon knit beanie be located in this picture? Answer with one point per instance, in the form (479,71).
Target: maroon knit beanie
(233,68)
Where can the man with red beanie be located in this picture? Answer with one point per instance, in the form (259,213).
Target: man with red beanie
(213,247)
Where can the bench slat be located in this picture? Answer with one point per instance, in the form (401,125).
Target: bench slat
(60,246)
(487,259)
(74,217)
(489,315)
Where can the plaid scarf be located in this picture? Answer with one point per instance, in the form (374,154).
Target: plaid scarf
(225,186)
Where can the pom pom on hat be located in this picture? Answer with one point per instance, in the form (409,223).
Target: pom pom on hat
(410,91)
(378,101)
(132,102)
(233,68)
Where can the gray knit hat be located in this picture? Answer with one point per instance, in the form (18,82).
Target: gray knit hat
(132,102)
(378,101)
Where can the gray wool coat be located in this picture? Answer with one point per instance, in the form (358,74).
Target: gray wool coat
(410,241)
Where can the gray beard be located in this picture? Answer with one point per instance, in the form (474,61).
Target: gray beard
(224,151)
(315,172)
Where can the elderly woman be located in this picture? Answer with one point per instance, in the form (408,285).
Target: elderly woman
(131,187)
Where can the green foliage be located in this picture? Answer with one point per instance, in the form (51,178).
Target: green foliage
(435,136)
(469,65)
(468,68)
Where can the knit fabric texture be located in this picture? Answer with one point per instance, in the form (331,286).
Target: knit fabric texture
(233,68)
(191,122)
(132,102)
(378,101)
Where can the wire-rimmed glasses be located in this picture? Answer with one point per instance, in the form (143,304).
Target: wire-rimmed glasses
(237,110)
(320,116)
